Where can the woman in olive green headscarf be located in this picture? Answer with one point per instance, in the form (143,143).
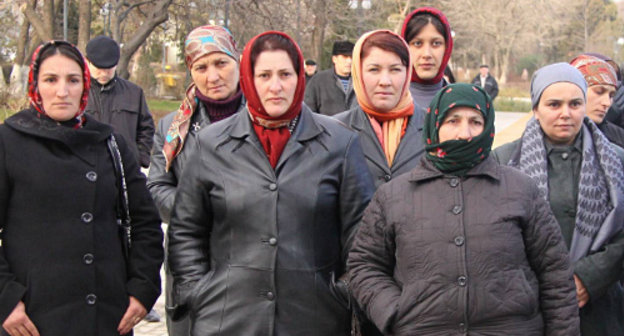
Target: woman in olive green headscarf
(461,243)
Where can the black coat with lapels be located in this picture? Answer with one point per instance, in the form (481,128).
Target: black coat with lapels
(61,251)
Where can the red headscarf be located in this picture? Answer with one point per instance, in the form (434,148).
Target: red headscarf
(33,90)
(449,42)
(272,132)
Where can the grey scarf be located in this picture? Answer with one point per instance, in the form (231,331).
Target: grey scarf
(601,185)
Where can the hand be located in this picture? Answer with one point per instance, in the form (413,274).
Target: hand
(18,323)
(134,314)
(581,292)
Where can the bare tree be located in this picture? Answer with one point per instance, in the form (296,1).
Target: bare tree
(84,25)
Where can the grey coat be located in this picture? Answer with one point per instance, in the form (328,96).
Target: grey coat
(410,148)
(254,249)
(324,94)
(481,255)
(162,184)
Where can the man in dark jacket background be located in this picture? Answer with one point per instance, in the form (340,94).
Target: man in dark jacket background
(116,101)
(330,91)
(486,81)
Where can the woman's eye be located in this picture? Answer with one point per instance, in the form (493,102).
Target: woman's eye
(417,43)
(437,43)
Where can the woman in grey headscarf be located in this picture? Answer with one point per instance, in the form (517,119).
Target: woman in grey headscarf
(581,174)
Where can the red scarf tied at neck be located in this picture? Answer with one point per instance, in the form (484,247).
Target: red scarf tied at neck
(272,132)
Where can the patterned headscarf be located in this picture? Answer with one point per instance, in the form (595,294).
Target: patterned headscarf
(595,70)
(393,122)
(33,89)
(199,43)
(457,157)
(448,38)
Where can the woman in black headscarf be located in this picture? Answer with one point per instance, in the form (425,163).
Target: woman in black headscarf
(462,244)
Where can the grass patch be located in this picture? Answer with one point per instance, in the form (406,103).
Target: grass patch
(512,104)
(161,107)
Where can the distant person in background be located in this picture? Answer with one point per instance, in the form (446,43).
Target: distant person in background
(486,81)
(448,75)
(330,91)
(310,69)
(116,101)
(428,34)
(601,83)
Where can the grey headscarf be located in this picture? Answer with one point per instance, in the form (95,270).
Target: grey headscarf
(555,73)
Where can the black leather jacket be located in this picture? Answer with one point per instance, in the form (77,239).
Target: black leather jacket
(253,249)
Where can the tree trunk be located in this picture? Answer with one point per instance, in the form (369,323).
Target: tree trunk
(42,29)
(84,24)
(158,15)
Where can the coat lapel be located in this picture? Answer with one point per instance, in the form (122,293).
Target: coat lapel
(368,139)
(306,129)
(411,145)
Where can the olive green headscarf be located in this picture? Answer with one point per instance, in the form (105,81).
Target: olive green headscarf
(456,157)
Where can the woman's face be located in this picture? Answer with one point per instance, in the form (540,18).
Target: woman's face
(560,112)
(216,75)
(60,85)
(383,75)
(275,80)
(599,99)
(427,51)
(461,123)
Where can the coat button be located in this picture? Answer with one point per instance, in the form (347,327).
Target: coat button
(272,186)
(272,241)
(91,298)
(564,156)
(270,296)
(92,176)
(461,280)
(86,217)
(387,177)
(454,182)
(457,209)
(88,259)
(459,240)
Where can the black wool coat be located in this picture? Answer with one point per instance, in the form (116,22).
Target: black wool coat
(61,250)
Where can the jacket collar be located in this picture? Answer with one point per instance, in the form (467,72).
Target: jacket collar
(103,87)
(359,122)
(426,170)
(307,129)
(29,122)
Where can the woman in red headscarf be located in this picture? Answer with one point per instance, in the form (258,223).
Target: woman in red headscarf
(64,267)
(428,34)
(265,213)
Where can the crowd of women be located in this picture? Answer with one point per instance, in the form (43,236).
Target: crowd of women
(393,218)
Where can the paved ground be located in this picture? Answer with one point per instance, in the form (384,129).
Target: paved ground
(509,126)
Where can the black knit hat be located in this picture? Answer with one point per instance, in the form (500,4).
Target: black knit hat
(103,52)
(343,48)
(310,62)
